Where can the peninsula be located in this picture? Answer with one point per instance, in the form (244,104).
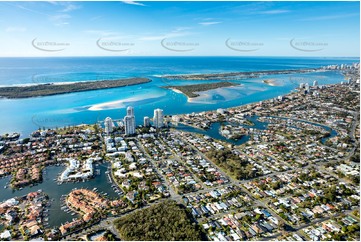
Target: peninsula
(238,75)
(295,173)
(62,88)
(190,90)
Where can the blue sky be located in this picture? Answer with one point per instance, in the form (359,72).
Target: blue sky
(329,29)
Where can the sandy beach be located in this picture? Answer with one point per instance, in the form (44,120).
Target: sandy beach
(176,90)
(123,102)
(271,82)
(228,93)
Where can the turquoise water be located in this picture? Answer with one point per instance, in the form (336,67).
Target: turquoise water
(55,191)
(26,115)
(213,130)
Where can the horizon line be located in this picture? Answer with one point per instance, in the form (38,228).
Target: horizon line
(90,56)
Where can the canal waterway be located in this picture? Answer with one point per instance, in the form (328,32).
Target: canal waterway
(50,186)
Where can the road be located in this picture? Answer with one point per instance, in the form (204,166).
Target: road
(352,135)
(172,193)
(316,221)
(233,181)
(109,222)
(259,202)
(180,160)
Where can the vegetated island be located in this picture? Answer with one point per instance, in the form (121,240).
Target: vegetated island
(166,221)
(62,88)
(237,75)
(190,90)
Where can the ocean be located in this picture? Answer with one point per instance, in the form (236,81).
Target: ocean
(27,115)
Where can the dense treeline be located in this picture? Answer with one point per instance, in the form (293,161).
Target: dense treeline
(235,75)
(189,90)
(53,89)
(166,221)
(233,164)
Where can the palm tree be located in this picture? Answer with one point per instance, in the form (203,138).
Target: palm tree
(281,225)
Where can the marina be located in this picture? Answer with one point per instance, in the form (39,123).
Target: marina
(58,212)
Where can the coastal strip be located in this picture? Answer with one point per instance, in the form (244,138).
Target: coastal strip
(238,75)
(55,89)
(191,90)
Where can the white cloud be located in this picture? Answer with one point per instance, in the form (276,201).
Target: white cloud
(52,2)
(329,17)
(276,11)
(68,7)
(163,36)
(60,19)
(120,37)
(176,32)
(209,23)
(26,9)
(180,29)
(63,16)
(96,18)
(15,29)
(133,3)
(102,33)
(109,35)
